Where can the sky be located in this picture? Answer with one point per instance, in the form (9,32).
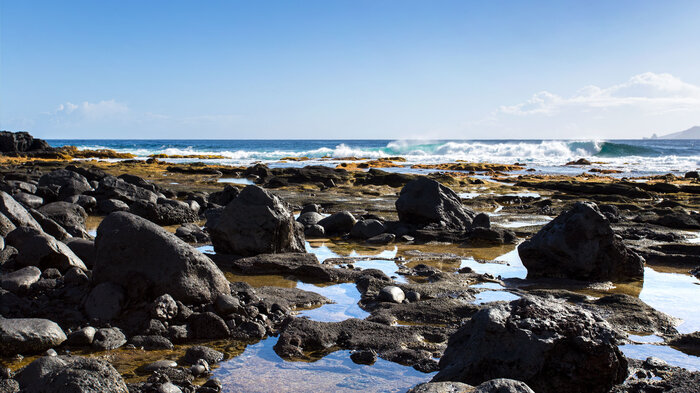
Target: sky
(359,69)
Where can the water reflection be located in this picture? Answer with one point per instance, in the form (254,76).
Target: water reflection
(667,354)
(259,369)
(345,297)
(235,180)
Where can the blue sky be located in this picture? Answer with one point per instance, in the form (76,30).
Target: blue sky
(349,69)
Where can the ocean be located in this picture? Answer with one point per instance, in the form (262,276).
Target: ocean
(632,157)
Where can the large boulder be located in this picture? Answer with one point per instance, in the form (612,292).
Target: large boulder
(256,222)
(424,202)
(71,374)
(550,345)
(147,260)
(66,182)
(19,216)
(37,248)
(580,244)
(70,216)
(28,335)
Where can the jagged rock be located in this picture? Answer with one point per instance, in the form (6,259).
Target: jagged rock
(580,244)
(256,222)
(20,142)
(550,345)
(424,202)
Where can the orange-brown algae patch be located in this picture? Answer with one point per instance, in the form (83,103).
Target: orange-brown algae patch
(471,167)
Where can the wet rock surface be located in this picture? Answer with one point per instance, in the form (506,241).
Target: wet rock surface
(145,320)
(256,222)
(551,346)
(580,244)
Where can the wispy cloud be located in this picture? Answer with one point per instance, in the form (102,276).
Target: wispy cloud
(659,93)
(92,110)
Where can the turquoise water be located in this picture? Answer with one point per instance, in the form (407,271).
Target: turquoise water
(631,156)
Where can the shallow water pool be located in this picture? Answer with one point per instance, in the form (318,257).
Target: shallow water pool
(259,369)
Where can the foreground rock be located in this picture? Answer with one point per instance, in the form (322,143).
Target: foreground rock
(40,249)
(19,216)
(549,345)
(425,202)
(28,335)
(256,222)
(147,260)
(580,244)
(72,375)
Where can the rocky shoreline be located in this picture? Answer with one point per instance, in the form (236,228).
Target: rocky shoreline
(76,303)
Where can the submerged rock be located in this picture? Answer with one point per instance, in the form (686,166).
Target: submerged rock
(146,259)
(424,202)
(550,345)
(580,244)
(256,222)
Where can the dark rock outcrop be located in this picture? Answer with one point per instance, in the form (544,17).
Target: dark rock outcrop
(550,345)
(20,142)
(580,244)
(69,215)
(424,202)
(40,249)
(65,182)
(146,259)
(256,222)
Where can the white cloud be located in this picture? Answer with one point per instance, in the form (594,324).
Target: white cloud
(644,104)
(92,111)
(660,93)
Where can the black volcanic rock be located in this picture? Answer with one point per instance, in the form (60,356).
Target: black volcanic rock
(580,244)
